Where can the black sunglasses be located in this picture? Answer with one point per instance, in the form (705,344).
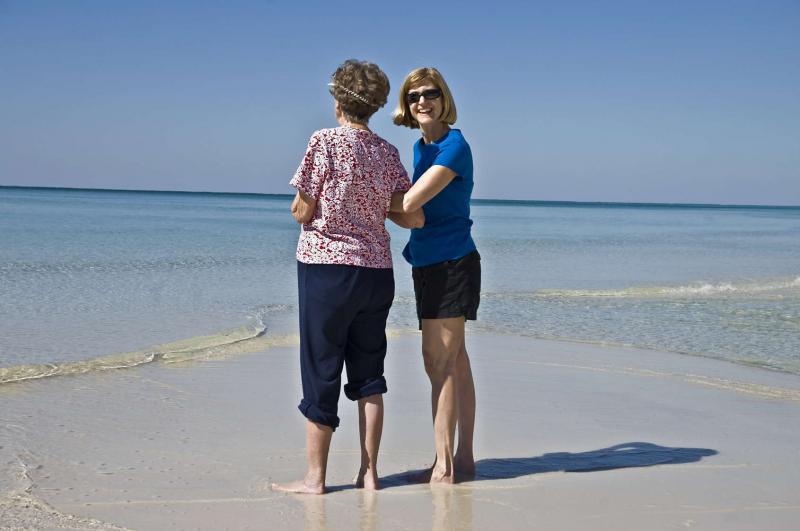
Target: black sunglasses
(430,94)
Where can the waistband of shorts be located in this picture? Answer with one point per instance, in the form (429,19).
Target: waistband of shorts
(474,255)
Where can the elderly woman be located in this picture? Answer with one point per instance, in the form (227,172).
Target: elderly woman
(446,264)
(345,184)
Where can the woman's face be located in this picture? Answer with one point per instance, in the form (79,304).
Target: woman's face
(427,109)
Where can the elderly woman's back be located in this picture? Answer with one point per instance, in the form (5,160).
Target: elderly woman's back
(352,173)
(345,185)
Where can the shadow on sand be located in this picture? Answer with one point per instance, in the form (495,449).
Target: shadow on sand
(627,455)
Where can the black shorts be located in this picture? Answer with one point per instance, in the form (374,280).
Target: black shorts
(449,289)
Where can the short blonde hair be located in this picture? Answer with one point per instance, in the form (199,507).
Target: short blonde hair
(402,115)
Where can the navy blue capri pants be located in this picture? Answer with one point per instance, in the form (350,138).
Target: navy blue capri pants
(343,311)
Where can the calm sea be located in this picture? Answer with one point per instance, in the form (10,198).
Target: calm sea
(92,279)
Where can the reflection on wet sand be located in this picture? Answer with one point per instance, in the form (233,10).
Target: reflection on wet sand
(316,512)
(368,504)
(452,508)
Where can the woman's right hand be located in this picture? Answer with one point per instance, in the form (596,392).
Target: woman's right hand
(303,207)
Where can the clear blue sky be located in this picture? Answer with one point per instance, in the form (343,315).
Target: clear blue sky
(679,101)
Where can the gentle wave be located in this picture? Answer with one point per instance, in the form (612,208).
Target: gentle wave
(698,289)
(240,340)
(219,346)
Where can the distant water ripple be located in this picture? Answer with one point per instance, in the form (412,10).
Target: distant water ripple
(91,280)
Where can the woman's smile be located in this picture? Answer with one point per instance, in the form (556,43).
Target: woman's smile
(425,110)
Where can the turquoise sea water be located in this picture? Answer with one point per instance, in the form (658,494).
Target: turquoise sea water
(87,274)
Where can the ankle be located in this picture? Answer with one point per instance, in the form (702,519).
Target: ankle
(464,455)
(368,468)
(314,478)
(443,466)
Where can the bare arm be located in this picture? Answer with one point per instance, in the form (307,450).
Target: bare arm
(431,183)
(411,220)
(303,207)
(407,220)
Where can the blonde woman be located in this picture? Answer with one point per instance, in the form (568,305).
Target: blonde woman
(445,264)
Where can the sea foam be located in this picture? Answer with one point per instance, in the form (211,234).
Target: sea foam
(245,339)
(695,289)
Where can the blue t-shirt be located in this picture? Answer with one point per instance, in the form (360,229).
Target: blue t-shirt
(446,234)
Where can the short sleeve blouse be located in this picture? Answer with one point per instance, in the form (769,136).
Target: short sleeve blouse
(352,173)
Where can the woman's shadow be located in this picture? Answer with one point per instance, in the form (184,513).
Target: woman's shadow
(627,455)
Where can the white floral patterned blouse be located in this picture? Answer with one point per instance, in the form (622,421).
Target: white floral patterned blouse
(352,173)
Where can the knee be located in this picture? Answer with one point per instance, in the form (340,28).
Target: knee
(438,363)
(431,363)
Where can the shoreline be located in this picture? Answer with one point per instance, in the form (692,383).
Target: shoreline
(754,364)
(569,436)
(180,351)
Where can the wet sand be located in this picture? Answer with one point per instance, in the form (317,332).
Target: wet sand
(569,436)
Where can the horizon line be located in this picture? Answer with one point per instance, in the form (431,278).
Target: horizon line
(479,200)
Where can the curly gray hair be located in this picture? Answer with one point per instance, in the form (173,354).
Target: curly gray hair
(361,88)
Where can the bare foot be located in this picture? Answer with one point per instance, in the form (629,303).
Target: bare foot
(299,487)
(366,479)
(442,475)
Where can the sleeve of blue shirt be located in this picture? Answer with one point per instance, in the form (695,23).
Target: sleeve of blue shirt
(456,156)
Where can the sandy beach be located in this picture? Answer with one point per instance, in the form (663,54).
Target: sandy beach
(569,436)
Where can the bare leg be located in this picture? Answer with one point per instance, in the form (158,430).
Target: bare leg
(442,340)
(370,427)
(464,460)
(465,387)
(318,442)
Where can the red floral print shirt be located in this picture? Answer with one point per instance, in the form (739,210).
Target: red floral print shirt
(352,173)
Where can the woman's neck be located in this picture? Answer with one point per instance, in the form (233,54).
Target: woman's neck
(433,131)
(352,125)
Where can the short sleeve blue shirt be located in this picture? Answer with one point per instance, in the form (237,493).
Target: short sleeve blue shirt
(447,231)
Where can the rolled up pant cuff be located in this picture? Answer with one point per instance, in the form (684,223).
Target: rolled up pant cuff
(358,390)
(315,414)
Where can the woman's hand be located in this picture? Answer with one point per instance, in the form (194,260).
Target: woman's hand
(431,183)
(303,207)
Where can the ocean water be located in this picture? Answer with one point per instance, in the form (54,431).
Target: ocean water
(96,279)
